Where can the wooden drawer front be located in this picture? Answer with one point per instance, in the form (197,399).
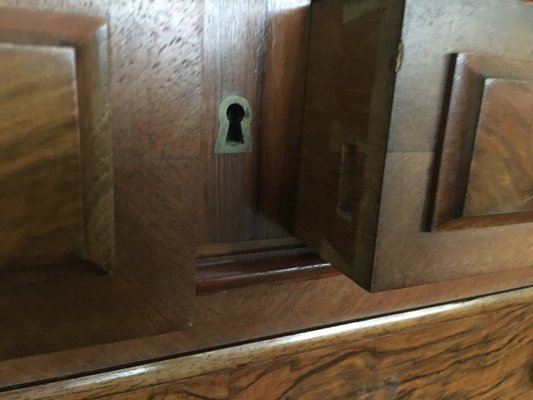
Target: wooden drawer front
(444,190)
(476,349)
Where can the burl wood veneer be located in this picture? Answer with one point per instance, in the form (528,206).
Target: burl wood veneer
(474,349)
(366,198)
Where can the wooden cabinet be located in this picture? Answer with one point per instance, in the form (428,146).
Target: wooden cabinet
(130,234)
(442,191)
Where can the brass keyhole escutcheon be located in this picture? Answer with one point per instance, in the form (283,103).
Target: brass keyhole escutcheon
(234,133)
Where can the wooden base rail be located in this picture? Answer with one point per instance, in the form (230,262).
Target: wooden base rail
(163,372)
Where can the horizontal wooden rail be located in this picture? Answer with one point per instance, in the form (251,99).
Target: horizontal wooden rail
(161,372)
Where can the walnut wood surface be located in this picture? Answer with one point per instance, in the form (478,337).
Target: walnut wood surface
(86,37)
(233,32)
(42,221)
(501,174)
(250,197)
(156,76)
(209,387)
(149,289)
(481,357)
(471,349)
(484,173)
(282,266)
(365,192)
(407,254)
(347,108)
(284,65)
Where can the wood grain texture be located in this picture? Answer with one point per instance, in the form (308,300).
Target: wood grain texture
(86,37)
(483,344)
(256,50)
(155,97)
(484,176)
(233,40)
(282,100)
(209,387)
(149,290)
(501,173)
(40,157)
(481,357)
(420,256)
(231,316)
(227,272)
(365,204)
(422,83)
(349,87)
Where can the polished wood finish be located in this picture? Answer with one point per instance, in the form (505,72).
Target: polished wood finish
(208,387)
(231,316)
(407,254)
(485,172)
(233,34)
(351,69)
(226,272)
(481,357)
(479,347)
(141,286)
(249,197)
(40,175)
(365,204)
(58,181)
(282,100)
(156,120)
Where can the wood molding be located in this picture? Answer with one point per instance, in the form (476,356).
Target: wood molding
(215,274)
(485,167)
(365,188)
(93,289)
(76,201)
(167,371)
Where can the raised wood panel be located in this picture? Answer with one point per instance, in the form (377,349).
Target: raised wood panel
(60,62)
(501,173)
(155,102)
(42,221)
(56,144)
(366,189)
(485,168)
(408,253)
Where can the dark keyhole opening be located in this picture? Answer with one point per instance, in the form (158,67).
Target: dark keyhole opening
(235,114)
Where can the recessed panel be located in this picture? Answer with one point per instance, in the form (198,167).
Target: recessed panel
(501,172)
(40,193)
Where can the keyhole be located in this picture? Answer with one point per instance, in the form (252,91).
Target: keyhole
(235,114)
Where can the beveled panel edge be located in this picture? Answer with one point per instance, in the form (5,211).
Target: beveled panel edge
(166,371)
(103,303)
(88,36)
(24,26)
(470,71)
